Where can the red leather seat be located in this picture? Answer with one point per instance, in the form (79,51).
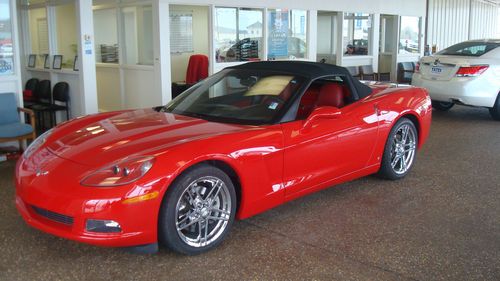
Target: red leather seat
(331,94)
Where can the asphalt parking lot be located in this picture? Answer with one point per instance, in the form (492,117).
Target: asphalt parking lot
(442,222)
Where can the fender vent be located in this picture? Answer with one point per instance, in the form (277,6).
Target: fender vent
(67,220)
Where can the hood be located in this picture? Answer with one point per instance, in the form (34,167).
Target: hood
(99,142)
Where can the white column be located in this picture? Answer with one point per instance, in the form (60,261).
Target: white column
(86,56)
(375,41)
(312,35)
(163,78)
(340,39)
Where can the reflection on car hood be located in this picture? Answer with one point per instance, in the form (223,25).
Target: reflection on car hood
(129,133)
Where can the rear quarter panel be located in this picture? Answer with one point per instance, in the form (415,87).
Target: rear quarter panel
(395,103)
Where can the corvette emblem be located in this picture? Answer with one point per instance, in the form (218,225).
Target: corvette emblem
(40,172)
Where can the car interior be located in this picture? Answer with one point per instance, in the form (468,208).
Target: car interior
(324,92)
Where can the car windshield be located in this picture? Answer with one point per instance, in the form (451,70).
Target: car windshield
(238,96)
(472,49)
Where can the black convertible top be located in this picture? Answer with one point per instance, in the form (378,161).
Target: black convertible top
(311,70)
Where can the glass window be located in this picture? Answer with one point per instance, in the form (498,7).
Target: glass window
(138,35)
(238,34)
(238,96)
(106,36)
(356,34)
(409,40)
(287,31)
(472,49)
(66,34)
(6,50)
(39,34)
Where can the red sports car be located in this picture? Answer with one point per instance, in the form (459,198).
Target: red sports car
(244,140)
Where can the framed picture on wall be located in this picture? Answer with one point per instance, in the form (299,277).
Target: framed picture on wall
(46,60)
(31,60)
(57,63)
(75,64)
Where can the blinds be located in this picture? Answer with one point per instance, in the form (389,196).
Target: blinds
(181,32)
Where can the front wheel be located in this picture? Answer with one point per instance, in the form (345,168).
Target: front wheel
(495,110)
(400,150)
(442,105)
(198,210)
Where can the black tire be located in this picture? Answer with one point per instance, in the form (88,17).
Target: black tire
(495,110)
(180,202)
(442,105)
(392,150)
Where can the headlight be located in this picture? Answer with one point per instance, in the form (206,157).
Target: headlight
(36,144)
(121,172)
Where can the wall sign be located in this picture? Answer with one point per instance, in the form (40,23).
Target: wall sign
(278,34)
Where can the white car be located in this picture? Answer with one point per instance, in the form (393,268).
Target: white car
(467,73)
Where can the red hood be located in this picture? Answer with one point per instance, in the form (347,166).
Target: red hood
(142,131)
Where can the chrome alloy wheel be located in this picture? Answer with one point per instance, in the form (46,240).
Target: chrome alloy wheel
(203,211)
(403,149)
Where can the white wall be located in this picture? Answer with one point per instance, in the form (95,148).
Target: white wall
(455,21)
(179,62)
(66,33)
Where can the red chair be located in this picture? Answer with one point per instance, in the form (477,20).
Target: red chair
(197,69)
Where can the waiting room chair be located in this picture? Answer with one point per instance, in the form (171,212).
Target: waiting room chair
(354,71)
(197,70)
(405,72)
(60,94)
(11,127)
(367,73)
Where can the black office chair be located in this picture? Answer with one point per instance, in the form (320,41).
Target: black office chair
(354,71)
(42,97)
(29,91)
(60,94)
(405,72)
(367,73)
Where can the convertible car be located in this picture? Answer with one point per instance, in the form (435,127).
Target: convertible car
(242,141)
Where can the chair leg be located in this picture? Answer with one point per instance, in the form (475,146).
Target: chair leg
(21,146)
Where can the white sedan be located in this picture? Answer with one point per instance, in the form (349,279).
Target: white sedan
(467,73)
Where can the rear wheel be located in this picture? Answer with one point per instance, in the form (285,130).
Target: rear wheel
(198,211)
(495,110)
(442,105)
(400,149)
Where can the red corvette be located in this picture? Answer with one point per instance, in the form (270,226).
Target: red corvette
(244,140)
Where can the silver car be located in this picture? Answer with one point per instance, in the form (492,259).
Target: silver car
(467,73)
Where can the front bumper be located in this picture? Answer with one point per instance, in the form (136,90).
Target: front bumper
(56,203)
(474,91)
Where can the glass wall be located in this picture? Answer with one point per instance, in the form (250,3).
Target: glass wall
(39,34)
(356,34)
(138,35)
(409,38)
(67,45)
(238,34)
(6,48)
(106,36)
(287,34)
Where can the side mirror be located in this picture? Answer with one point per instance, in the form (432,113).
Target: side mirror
(323,112)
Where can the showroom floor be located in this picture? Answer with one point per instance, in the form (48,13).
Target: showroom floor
(442,222)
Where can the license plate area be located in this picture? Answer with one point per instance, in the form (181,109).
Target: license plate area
(437,70)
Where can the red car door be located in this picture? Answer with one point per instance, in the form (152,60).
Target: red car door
(328,149)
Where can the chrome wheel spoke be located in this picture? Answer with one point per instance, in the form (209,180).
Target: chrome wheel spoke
(187,225)
(217,186)
(404,133)
(218,218)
